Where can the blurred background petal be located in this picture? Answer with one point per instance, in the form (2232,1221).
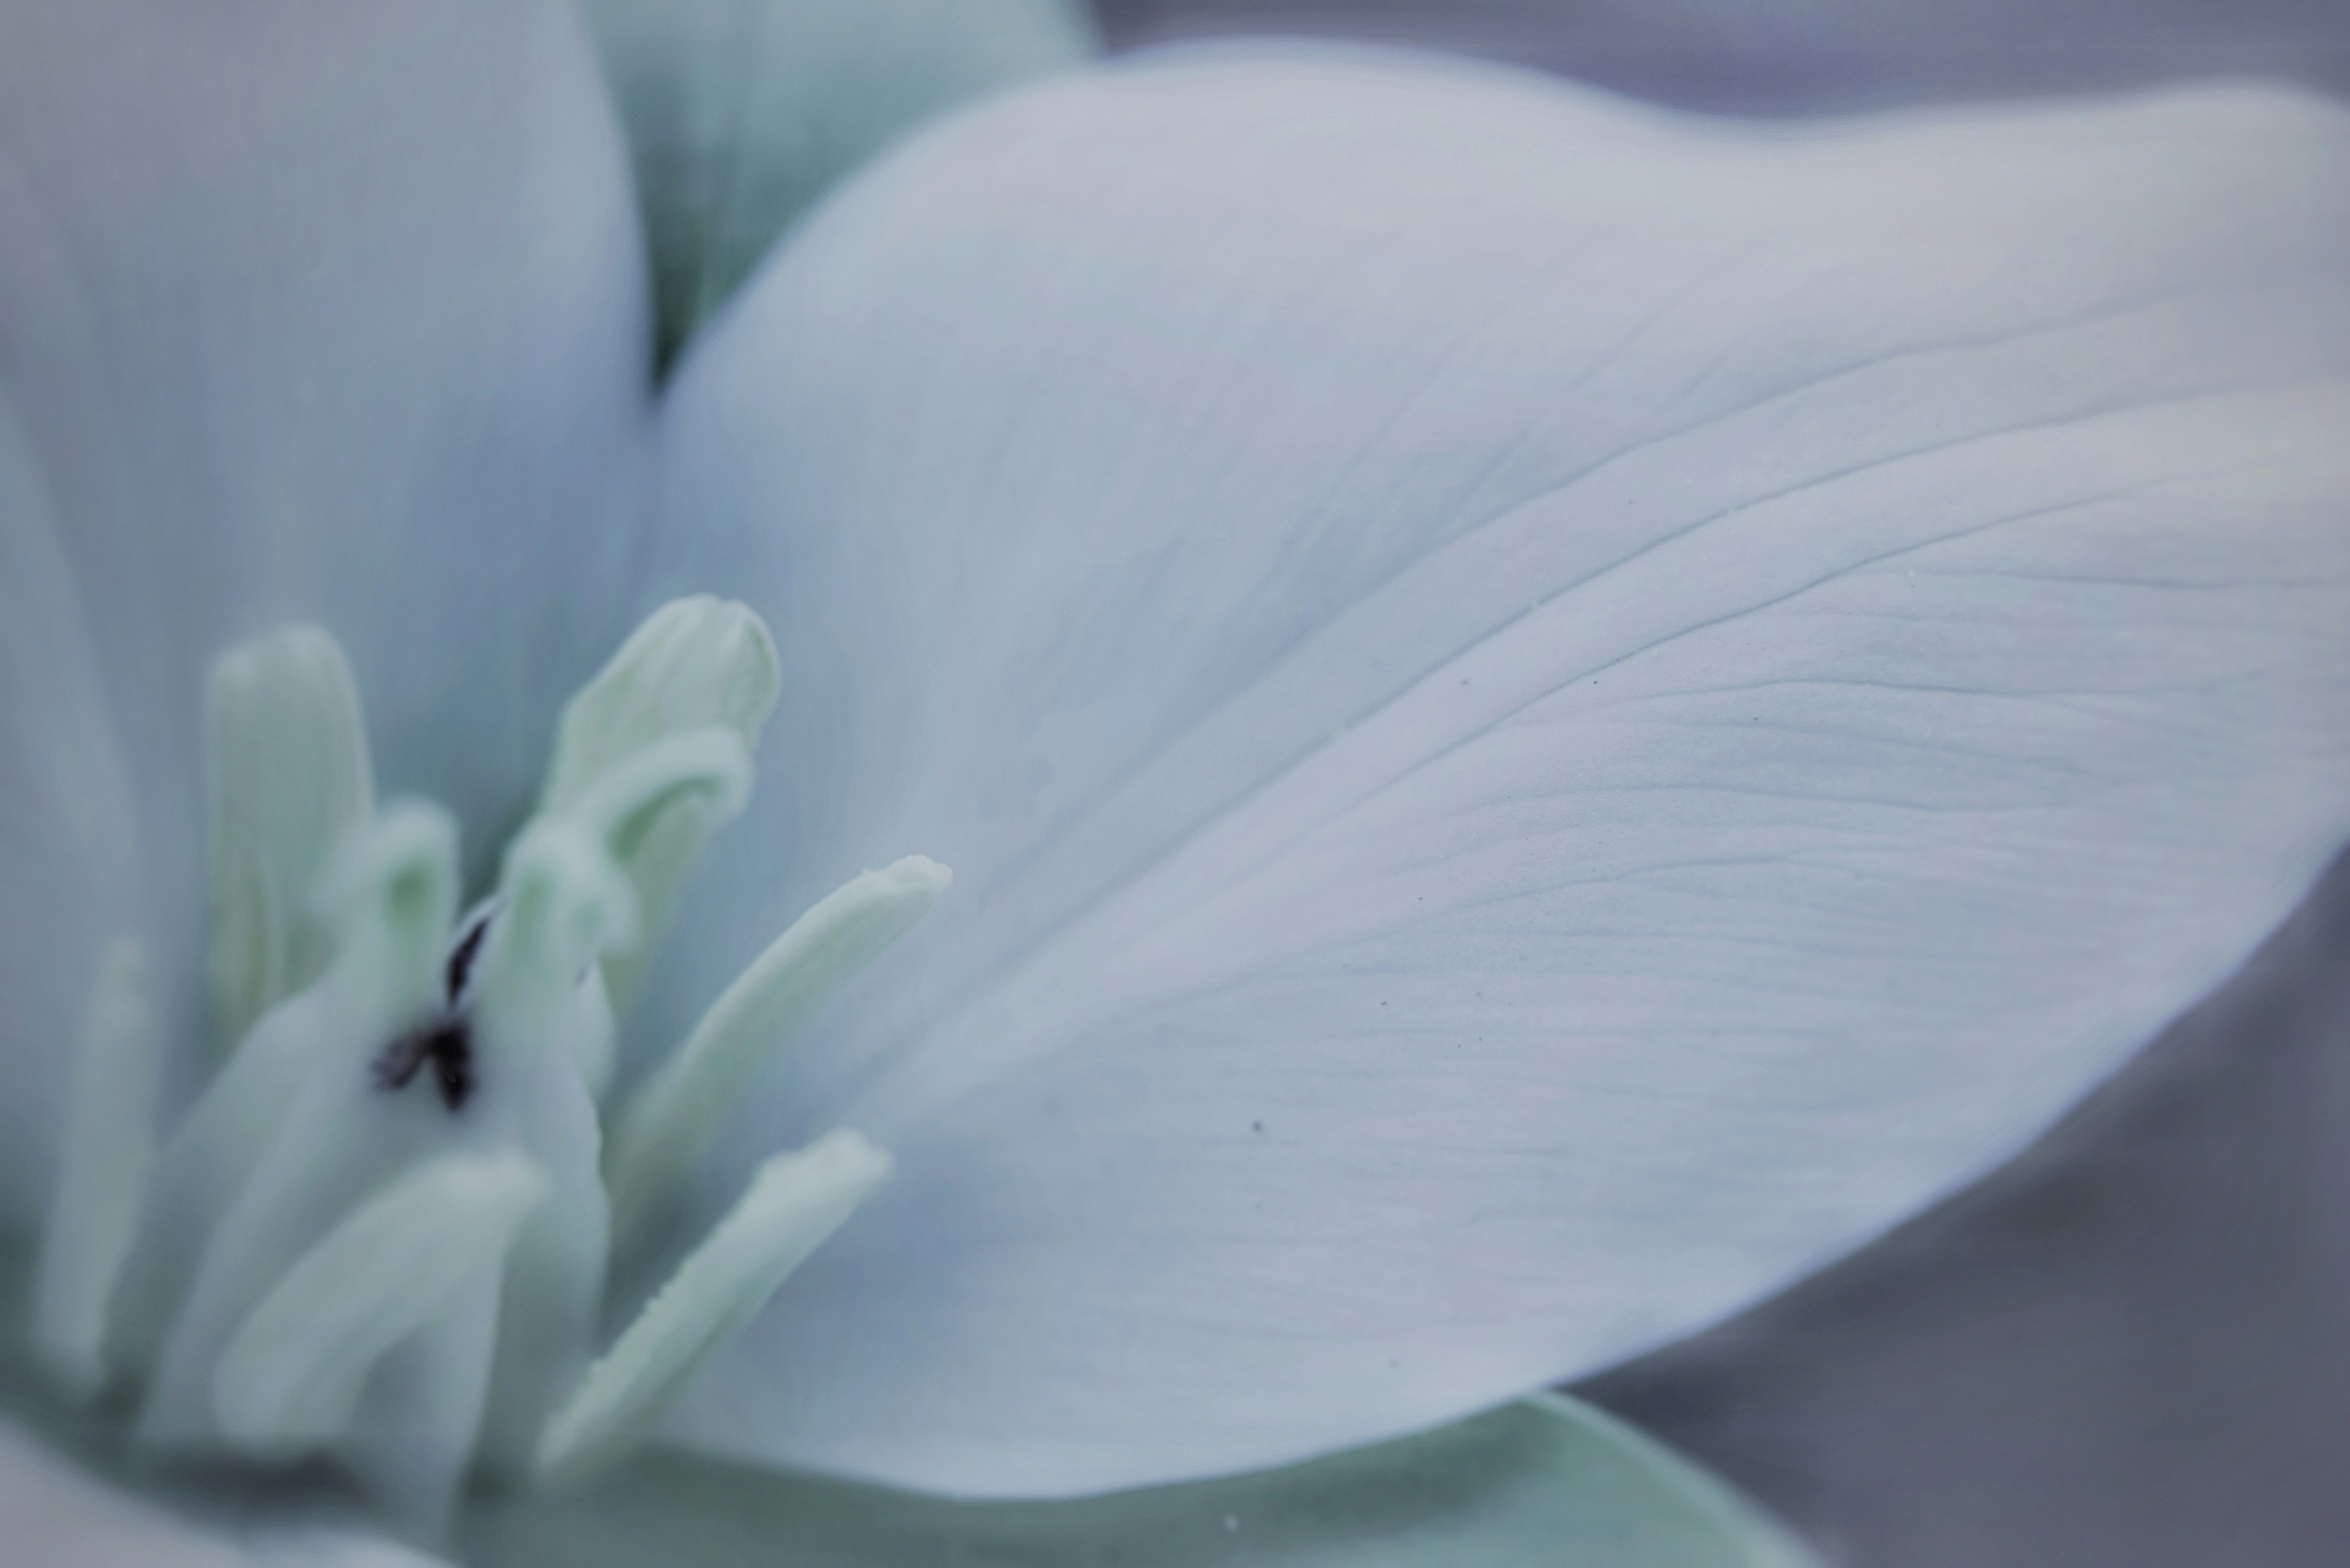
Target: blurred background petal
(742,112)
(1803,56)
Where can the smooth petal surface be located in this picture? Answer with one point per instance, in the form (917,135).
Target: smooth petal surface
(68,824)
(740,113)
(1538,1484)
(1547,715)
(307,312)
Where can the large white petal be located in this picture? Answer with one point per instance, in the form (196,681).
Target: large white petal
(320,312)
(1546,716)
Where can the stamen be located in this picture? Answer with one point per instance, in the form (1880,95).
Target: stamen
(290,1378)
(286,762)
(675,1112)
(794,1202)
(695,663)
(708,764)
(101,1185)
(566,901)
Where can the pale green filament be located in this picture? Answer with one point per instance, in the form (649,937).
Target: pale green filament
(289,1380)
(381,1234)
(287,777)
(672,1116)
(794,1202)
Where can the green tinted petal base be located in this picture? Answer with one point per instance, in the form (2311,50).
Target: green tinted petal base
(740,113)
(1547,1482)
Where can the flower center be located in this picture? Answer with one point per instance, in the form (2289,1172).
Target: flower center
(382,1234)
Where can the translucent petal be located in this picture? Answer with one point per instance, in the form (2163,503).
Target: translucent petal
(1547,715)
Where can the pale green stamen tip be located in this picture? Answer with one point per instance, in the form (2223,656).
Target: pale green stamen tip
(793,1204)
(695,663)
(670,1119)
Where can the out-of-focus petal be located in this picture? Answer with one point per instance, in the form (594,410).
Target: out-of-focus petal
(1819,55)
(1546,716)
(326,312)
(69,872)
(61,1515)
(742,112)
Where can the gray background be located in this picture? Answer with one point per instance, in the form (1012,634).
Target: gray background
(2133,1346)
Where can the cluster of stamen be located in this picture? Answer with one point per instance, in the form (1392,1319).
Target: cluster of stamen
(382,1234)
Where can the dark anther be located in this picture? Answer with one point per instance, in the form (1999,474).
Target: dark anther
(460,958)
(448,1043)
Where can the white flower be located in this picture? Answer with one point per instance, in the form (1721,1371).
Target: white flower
(1548,714)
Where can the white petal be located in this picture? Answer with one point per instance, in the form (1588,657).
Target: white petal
(60,1514)
(69,868)
(326,312)
(1547,716)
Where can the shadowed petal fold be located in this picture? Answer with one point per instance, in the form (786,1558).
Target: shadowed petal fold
(1547,715)
(58,1513)
(740,113)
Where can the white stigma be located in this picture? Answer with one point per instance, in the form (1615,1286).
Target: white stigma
(381,1234)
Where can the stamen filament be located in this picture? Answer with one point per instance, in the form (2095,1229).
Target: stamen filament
(795,1201)
(290,1377)
(288,778)
(671,1117)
